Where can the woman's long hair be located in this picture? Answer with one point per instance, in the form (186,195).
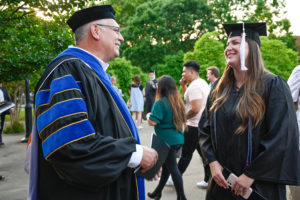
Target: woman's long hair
(166,87)
(251,105)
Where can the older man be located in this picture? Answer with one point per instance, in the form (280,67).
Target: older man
(88,145)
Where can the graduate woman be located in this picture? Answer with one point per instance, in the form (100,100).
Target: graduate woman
(250,125)
(168,118)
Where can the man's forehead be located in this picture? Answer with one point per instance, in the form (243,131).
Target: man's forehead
(106,21)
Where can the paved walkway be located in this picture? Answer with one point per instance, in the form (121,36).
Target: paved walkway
(14,187)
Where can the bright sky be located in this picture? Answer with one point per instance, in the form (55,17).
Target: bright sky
(293,14)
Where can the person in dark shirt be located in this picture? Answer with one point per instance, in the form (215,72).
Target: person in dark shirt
(212,75)
(249,125)
(168,118)
(150,93)
(4,96)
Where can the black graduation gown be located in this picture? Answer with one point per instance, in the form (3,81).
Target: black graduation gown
(275,155)
(150,95)
(93,167)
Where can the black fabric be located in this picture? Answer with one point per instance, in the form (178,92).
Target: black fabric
(87,15)
(191,143)
(150,95)
(170,167)
(275,155)
(2,115)
(94,167)
(140,86)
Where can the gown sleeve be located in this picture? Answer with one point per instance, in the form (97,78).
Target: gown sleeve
(205,136)
(278,157)
(80,155)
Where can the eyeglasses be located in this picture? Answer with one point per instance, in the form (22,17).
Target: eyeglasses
(117,29)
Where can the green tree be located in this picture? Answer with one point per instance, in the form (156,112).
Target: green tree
(124,71)
(208,51)
(125,9)
(269,11)
(277,57)
(171,66)
(161,28)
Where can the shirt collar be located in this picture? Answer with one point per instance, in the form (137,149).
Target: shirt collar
(102,63)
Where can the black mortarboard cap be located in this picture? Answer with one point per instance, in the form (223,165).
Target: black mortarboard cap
(252,30)
(87,15)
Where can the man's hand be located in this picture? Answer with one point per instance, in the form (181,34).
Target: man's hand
(149,159)
(182,82)
(12,111)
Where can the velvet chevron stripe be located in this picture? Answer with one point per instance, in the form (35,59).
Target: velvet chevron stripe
(58,85)
(63,99)
(66,135)
(59,110)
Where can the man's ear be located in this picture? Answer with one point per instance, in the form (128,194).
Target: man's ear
(95,31)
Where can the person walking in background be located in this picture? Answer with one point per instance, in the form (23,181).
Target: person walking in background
(212,75)
(4,96)
(114,85)
(195,97)
(150,93)
(84,143)
(294,84)
(168,118)
(249,125)
(136,91)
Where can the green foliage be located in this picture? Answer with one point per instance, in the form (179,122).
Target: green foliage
(160,28)
(172,66)
(124,71)
(277,57)
(271,12)
(125,9)
(208,51)
(18,9)
(29,45)
(17,127)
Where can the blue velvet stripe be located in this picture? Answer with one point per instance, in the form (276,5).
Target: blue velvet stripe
(57,85)
(59,110)
(42,97)
(66,135)
(94,63)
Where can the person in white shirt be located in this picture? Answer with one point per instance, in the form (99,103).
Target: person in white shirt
(294,83)
(195,97)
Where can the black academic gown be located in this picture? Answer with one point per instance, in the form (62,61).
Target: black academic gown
(150,95)
(275,157)
(94,167)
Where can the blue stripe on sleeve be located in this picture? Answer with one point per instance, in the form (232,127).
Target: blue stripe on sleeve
(57,85)
(42,97)
(60,109)
(66,135)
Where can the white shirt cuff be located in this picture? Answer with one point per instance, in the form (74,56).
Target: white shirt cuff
(136,157)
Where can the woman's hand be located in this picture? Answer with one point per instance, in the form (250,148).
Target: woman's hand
(242,185)
(150,122)
(216,173)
